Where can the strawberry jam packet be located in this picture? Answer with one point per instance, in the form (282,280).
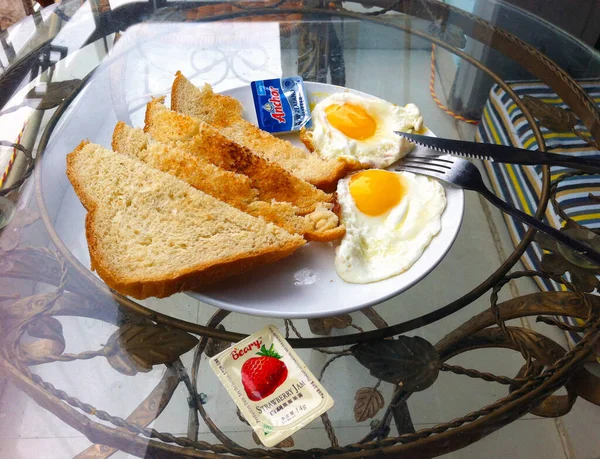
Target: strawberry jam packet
(271,386)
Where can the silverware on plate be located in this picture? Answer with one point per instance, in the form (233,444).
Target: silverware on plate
(502,153)
(463,174)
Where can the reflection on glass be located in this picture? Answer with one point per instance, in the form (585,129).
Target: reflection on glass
(7,211)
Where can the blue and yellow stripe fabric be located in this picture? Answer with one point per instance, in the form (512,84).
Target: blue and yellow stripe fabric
(504,123)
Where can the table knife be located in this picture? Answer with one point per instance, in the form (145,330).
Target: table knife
(502,153)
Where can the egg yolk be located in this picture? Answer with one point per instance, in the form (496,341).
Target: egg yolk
(352,120)
(376,191)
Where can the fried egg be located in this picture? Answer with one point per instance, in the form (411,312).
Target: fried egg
(361,129)
(390,218)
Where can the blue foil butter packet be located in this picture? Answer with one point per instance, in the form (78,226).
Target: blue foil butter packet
(281,104)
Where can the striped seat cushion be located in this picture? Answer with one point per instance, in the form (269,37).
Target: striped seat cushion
(504,123)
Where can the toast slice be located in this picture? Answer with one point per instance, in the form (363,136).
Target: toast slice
(234,189)
(225,114)
(151,234)
(202,140)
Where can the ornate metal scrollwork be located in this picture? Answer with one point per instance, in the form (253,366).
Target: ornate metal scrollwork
(411,362)
(368,402)
(53,94)
(551,117)
(324,325)
(138,347)
(559,260)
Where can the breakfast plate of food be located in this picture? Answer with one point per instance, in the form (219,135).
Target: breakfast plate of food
(322,279)
(277,199)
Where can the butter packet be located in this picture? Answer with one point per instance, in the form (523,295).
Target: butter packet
(271,386)
(281,104)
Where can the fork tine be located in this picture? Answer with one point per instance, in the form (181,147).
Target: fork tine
(417,162)
(434,156)
(421,170)
(444,159)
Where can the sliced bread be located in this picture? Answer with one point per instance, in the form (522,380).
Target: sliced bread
(151,234)
(234,189)
(225,114)
(200,139)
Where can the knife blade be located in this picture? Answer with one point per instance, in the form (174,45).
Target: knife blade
(502,153)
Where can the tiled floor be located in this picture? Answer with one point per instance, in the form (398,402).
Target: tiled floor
(28,431)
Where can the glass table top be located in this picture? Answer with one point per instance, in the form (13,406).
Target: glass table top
(509,318)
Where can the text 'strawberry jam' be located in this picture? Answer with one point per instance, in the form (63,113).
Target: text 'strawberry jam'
(281,104)
(271,386)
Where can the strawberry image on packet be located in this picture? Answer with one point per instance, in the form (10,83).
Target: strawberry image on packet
(271,386)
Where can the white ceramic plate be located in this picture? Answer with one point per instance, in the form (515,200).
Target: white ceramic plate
(306,283)
(142,64)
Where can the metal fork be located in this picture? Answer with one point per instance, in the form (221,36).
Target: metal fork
(463,174)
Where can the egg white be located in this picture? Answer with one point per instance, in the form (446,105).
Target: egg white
(376,248)
(381,149)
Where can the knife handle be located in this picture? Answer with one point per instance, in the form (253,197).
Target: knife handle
(589,165)
(513,155)
(580,248)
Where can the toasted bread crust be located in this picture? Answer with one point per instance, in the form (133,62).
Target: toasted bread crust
(233,188)
(182,280)
(87,201)
(321,225)
(178,280)
(225,113)
(306,136)
(198,138)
